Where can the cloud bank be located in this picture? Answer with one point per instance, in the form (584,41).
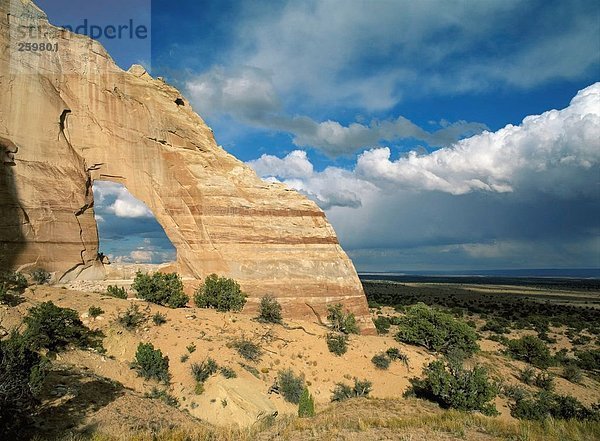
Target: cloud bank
(534,186)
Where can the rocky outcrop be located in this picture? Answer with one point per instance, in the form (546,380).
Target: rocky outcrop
(76,117)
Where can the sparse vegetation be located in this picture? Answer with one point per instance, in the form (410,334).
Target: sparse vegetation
(132,317)
(164,396)
(227,372)
(151,364)
(54,328)
(381,361)
(544,381)
(453,386)
(290,385)
(270,310)
(159,319)
(436,330)
(306,405)
(248,349)
(95,311)
(203,371)
(116,291)
(337,343)
(527,375)
(342,391)
(220,293)
(40,276)
(340,321)
(531,349)
(162,289)
(572,373)
(588,360)
(191,348)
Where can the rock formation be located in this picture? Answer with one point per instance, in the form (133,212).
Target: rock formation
(71,116)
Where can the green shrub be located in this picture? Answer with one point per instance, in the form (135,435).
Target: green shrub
(159,319)
(531,349)
(184,358)
(546,404)
(527,375)
(588,360)
(572,373)
(191,348)
(163,396)
(151,364)
(545,381)
(54,328)
(204,370)
(341,321)
(382,324)
(436,330)
(227,372)
(306,405)
(397,354)
(270,310)
(381,361)
(40,276)
(115,291)
(95,311)
(290,385)
(453,386)
(220,293)
(247,349)
(337,343)
(12,285)
(162,289)
(342,391)
(132,317)
(22,372)
(498,325)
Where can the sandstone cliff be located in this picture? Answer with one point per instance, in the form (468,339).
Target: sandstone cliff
(72,116)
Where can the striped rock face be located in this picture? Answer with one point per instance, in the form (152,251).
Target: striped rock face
(71,116)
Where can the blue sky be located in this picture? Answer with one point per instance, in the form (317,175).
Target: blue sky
(403,120)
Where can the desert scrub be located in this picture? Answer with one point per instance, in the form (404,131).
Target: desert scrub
(530,349)
(12,285)
(527,375)
(544,381)
(453,386)
(162,289)
(247,349)
(95,311)
(337,343)
(191,348)
(269,310)
(40,276)
(549,405)
(227,372)
(497,325)
(132,317)
(382,324)
(159,319)
(436,330)
(306,405)
(340,321)
(116,291)
(572,373)
(342,391)
(396,354)
(151,364)
(381,361)
(588,360)
(162,395)
(220,293)
(290,385)
(22,373)
(54,328)
(202,371)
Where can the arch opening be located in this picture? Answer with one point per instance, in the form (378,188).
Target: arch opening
(128,231)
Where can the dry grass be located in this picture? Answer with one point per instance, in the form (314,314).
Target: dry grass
(357,420)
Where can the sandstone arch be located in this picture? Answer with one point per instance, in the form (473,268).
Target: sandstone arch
(76,117)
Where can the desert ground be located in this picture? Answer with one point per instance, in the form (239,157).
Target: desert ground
(97,394)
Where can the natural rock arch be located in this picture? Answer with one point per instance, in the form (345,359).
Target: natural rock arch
(76,117)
